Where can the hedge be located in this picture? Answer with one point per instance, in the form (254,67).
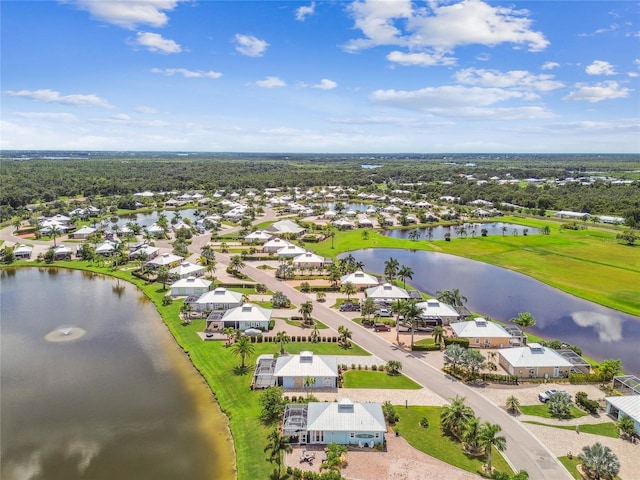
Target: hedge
(463,342)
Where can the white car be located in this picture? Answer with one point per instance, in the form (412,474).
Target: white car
(382,312)
(544,396)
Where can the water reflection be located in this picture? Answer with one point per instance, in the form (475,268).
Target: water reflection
(463,231)
(502,294)
(119,402)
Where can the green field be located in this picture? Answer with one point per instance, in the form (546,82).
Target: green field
(543,411)
(370,379)
(608,429)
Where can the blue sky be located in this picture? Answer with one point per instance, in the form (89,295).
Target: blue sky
(338,76)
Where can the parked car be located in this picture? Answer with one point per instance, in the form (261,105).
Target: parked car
(382,312)
(381,327)
(253,331)
(544,396)
(350,307)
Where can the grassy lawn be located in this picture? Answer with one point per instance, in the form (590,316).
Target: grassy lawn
(608,429)
(321,348)
(305,328)
(432,441)
(543,411)
(371,379)
(587,263)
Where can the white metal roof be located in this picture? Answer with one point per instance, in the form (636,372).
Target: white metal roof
(435,308)
(192,282)
(220,295)
(247,313)
(534,355)
(186,268)
(387,291)
(479,328)
(306,364)
(628,404)
(345,416)
(359,278)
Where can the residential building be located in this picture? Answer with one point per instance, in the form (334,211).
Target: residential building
(534,361)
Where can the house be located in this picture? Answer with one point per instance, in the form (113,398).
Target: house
(218,299)
(534,361)
(22,251)
(309,260)
(167,260)
(359,279)
(259,236)
(187,269)
(485,334)
(246,316)
(628,405)
(572,215)
(106,248)
(387,292)
(62,252)
(83,233)
(291,251)
(344,422)
(190,286)
(437,312)
(286,227)
(343,224)
(274,244)
(155,230)
(145,251)
(291,371)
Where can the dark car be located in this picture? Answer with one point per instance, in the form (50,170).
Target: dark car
(349,307)
(381,327)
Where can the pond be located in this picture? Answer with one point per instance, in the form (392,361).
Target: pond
(94,387)
(470,230)
(502,294)
(147,219)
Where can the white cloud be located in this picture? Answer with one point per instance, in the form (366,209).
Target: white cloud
(57,117)
(609,329)
(632,74)
(51,96)
(550,65)
(155,43)
(599,67)
(121,117)
(517,79)
(303,12)
(271,82)
(187,73)
(597,93)
(444,97)
(250,46)
(423,59)
(147,110)
(129,13)
(325,84)
(441,27)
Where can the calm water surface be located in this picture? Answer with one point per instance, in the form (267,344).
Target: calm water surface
(121,401)
(502,294)
(471,230)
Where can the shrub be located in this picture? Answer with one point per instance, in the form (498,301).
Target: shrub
(166,301)
(374,368)
(463,342)
(589,405)
(424,423)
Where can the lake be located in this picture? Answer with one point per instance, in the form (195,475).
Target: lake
(94,386)
(471,230)
(502,294)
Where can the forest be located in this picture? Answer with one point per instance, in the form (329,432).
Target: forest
(33,177)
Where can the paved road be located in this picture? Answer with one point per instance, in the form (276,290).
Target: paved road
(524,450)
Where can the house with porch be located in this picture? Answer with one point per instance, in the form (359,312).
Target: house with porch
(437,313)
(309,260)
(286,227)
(218,299)
(190,286)
(344,422)
(291,371)
(360,280)
(187,269)
(246,316)
(387,293)
(628,405)
(482,333)
(83,233)
(167,260)
(22,251)
(534,361)
(274,244)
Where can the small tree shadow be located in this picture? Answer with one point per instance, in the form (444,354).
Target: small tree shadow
(239,370)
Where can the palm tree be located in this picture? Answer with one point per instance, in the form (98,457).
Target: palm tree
(489,438)
(321,296)
(275,446)
(470,435)
(453,355)
(243,348)
(229,332)
(391,268)
(282,338)
(405,272)
(473,360)
(348,289)
(524,320)
(345,335)
(309,382)
(236,264)
(315,334)
(411,312)
(305,310)
(163,276)
(451,297)
(512,404)
(54,231)
(504,230)
(438,335)
(393,367)
(414,235)
(599,461)
(626,426)
(455,417)
(560,405)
